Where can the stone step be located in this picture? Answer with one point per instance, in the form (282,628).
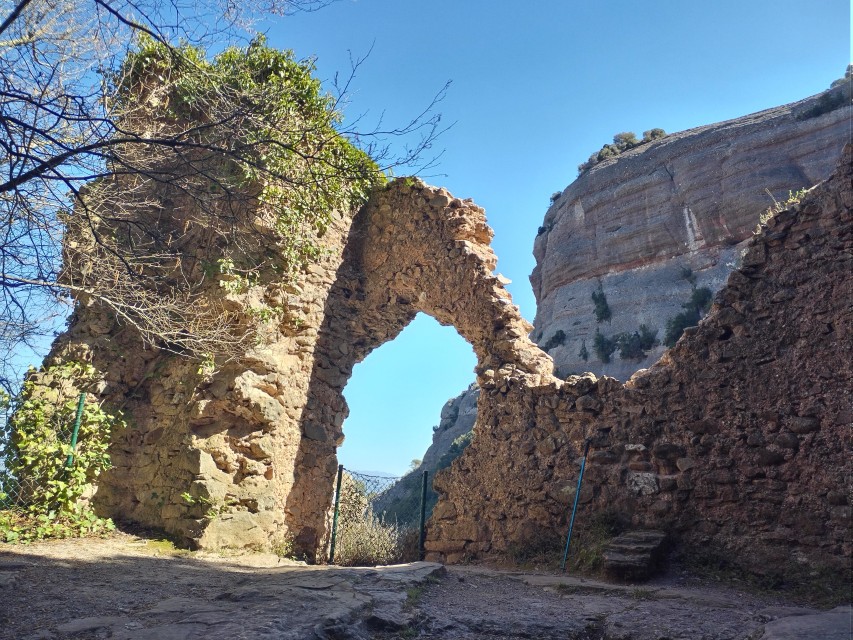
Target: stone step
(634,555)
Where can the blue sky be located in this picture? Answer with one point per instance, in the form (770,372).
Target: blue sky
(536,87)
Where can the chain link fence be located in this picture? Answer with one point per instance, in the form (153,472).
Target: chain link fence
(379,519)
(17,488)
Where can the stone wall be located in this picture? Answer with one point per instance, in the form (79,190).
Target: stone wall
(739,439)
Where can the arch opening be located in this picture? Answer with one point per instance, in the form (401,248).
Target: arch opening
(411,249)
(396,394)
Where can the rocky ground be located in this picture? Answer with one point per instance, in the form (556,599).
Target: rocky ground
(131,588)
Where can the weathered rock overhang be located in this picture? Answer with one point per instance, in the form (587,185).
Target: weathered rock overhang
(688,203)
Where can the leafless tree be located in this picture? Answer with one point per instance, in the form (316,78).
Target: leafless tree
(81,156)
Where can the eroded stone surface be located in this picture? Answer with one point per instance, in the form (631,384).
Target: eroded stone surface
(737,442)
(116,588)
(253,445)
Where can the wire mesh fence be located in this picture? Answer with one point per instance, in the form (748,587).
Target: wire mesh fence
(19,486)
(379,519)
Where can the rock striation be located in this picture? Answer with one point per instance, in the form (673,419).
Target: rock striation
(685,205)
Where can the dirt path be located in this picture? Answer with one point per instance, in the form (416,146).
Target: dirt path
(127,588)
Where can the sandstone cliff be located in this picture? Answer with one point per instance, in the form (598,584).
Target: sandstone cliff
(636,225)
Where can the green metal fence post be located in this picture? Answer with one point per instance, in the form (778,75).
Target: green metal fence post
(575,506)
(335,518)
(80,402)
(421,550)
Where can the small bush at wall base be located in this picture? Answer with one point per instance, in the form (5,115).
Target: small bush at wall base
(43,480)
(589,539)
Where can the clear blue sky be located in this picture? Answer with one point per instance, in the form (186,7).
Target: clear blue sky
(537,87)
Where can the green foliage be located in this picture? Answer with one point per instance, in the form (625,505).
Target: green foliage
(625,140)
(556,196)
(633,346)
(602,309)
(280,129)
(698,304)
(583,354)
(603,346)
(700,299)
(621,142)
(455,450)
(556,340)
(794,197)
(829,100)
(653,134)
(590,538)
(676,325)
(41,484)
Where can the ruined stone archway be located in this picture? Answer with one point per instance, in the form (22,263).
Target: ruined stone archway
(411,249)
(247,456)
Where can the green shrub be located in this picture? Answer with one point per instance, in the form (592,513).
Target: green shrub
(556,340)
(676,325)
(621,142)
(633,346)
(625,140)
(43,480)
(698,304)
(793,198)
(603,346)
(283,127)
(700,299)
(648,337)
(583,354)
(590,538)
(829,101)
(602,309)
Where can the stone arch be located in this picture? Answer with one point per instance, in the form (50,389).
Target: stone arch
(411,249)
(254,444)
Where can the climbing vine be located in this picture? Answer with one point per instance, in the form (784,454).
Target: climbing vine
(43,479)
(271,121)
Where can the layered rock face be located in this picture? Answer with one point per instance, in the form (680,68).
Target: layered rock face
(458,417)
(633,226)
(737,442)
